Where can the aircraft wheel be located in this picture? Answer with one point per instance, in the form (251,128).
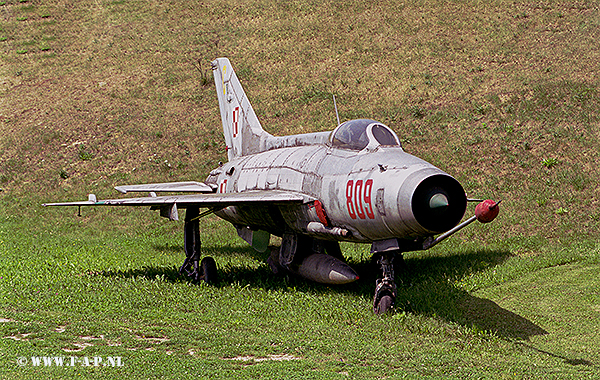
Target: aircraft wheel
(209,270)
(385,304)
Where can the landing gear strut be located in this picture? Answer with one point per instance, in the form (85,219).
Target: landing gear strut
(385,288)
(192,267)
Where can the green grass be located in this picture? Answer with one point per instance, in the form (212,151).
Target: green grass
(68,286)
(502,95)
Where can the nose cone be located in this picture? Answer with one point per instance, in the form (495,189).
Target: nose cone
(439,203)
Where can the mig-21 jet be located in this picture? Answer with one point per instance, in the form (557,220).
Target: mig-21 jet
(313,190)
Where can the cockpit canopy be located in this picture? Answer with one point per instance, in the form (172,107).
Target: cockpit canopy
(362,133)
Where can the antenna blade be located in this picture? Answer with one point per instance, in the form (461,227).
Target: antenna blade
(337,116)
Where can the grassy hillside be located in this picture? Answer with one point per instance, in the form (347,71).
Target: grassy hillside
(503,95)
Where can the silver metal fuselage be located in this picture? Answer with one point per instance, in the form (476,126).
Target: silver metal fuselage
(368,193)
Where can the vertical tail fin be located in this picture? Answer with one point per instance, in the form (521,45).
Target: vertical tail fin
(243,132)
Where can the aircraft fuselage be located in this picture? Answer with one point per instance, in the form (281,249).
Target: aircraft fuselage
(373,195)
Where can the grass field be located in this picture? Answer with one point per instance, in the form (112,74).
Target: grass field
(503,95)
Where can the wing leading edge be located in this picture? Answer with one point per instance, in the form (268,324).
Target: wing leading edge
(176,187)
(169,204)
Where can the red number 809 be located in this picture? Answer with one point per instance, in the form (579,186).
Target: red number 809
(358,199)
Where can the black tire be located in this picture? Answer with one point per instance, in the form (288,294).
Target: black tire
(209,270)
(385,304)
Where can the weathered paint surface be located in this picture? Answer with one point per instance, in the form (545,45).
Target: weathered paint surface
(357,195)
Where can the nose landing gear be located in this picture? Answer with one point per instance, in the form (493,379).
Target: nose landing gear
(385,288)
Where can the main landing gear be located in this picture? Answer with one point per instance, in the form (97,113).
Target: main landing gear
(384,251)
(205,270)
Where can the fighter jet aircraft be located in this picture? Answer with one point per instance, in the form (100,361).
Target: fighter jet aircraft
(313,190)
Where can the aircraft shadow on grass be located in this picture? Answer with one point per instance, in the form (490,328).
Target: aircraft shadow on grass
(425,286)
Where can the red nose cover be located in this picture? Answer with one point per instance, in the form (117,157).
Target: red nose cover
(487,211)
